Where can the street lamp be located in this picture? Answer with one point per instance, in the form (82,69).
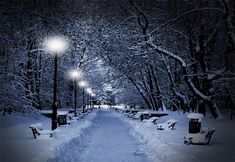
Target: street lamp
(83,84)
(89,92)
(55,46)
(75,75)
(92,99)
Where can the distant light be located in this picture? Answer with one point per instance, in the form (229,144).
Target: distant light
(83,84)
(75,74)
(88,90)
(56,45)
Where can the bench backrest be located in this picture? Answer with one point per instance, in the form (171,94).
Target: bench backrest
(37,126)
(171,121)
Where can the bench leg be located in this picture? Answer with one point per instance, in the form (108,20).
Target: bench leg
(35,132)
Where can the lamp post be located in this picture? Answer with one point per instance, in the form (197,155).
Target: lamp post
(92,100)
(75,75)
(89,91)
(83,84)
(55,46)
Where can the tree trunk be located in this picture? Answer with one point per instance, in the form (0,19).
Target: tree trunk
(213,106)
(157,91)
(140,92)
(180,97)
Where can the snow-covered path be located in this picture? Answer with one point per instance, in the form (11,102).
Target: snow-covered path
(107,140)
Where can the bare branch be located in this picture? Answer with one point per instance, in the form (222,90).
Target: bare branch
(185,14)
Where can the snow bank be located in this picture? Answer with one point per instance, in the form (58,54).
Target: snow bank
(195,116)
(156,143)
(17,139)
(65,134)
(168,145)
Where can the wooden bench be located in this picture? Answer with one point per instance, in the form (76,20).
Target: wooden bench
(172,125)
(37,130)
(209,136)
(206,140)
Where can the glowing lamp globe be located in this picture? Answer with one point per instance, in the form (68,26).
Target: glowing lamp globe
(83,84)
(88,90)
(75,74)
(56,45)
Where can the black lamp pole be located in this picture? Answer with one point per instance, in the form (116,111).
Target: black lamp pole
(88,100)
(54,104)
(83,100)
(92,102)
(75,97)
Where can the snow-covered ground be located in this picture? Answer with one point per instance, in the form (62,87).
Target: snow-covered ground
(18,145)
(106,135)
(168,145)
(107,140)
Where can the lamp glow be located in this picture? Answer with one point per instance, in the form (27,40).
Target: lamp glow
(56,45)
(83,84)
(89,91)
(75,74)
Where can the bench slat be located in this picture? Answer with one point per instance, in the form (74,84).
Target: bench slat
(37,130)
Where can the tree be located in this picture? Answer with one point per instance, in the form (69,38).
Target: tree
(206,83)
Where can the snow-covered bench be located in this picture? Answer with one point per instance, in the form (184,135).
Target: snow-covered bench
(37,130)
(202,138)
(168,125)
(152,120)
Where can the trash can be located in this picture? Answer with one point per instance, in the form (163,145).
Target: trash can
(62,120)
(194,126)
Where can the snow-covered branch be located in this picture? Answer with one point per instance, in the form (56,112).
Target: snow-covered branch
(188,80)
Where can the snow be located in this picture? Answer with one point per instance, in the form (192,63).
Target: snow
(166,125)
(59,112)
(199,138)
(106,135)
(195,116)
(140,112)
(215,74)
(168,146)
(17,139)
(105,141)
(154,112)
(151,120)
